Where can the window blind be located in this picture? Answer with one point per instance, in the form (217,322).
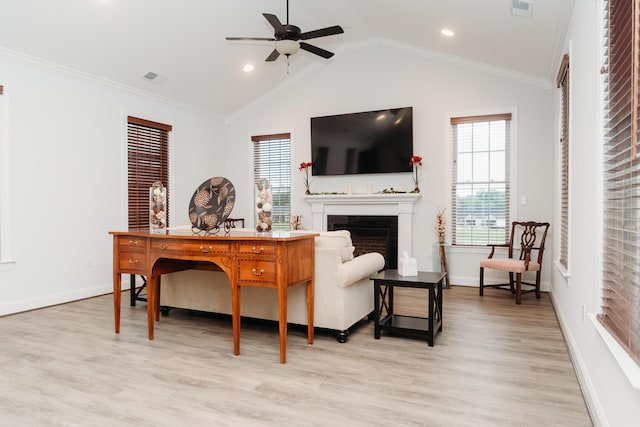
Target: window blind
(620,302)
(563,84)
(147,162)
(480,188)
(272,161)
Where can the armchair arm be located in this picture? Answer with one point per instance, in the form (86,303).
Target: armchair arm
(494,246)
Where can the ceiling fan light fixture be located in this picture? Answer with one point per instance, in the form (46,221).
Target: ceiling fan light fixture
(287,47)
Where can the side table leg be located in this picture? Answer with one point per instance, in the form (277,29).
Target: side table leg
(432,314)
(376,310)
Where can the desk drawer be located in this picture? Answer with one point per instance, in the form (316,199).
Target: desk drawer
(257,248)
(189,247)
(132,262)
(254,271)
(132,244)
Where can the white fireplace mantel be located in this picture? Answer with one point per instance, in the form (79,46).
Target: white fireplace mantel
(394,204)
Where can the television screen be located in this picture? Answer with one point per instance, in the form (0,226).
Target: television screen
(362,143)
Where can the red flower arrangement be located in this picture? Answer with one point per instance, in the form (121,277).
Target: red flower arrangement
(416,161)
(305,166)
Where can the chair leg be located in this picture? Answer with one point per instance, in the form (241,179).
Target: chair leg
(481,281)
(538,285)
(511,282)
(518,288)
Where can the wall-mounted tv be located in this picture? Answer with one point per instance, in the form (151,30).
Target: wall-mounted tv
(362,143)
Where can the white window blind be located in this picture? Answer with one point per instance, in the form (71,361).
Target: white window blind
(620,303)
(480,179)
(272,161)
(563,84)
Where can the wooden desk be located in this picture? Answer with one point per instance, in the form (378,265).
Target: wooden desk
(277,261)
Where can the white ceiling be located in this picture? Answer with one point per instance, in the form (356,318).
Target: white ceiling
(183,40)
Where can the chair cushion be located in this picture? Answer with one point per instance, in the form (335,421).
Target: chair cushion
(508,264)
(340,239)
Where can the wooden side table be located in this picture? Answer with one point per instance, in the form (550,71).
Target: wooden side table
(386,319)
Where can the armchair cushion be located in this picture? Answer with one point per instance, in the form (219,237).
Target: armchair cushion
(509,264)
(339,239)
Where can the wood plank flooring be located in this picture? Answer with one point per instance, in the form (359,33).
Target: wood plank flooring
(494,364)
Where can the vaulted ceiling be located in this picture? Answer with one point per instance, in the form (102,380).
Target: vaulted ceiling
(184,41)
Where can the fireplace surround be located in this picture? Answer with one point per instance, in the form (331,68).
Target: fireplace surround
(399,205)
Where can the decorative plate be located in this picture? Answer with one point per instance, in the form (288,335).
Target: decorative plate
(212,203)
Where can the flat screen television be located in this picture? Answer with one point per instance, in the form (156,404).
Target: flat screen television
(362,143)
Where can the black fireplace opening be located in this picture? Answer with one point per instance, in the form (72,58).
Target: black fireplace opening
(370,233)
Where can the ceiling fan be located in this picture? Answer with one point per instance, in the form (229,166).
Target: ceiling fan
(288,38)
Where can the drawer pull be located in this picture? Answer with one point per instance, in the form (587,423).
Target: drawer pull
(205,250)
(257,251)
(163,246)
(256,272)
(133,261)
(133,242)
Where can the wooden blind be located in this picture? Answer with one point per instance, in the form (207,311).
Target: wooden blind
(480,189)
(620,303)
(563,84)
(272,161)
(147,162)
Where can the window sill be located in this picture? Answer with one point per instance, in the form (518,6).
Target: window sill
(629,367)
(6,265)
(564,272)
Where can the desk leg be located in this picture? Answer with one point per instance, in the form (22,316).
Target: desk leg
(235,317)
(310,312)
(152,283)
(282,321)
(117,299)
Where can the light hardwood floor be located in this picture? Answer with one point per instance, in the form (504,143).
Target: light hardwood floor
(494,364)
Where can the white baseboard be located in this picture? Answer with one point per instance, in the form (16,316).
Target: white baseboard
(42,301)
(588,391)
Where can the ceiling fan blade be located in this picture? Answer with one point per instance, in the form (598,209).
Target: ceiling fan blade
(267,39)
(316,50)
(329,31)
(275,23)
(273,56)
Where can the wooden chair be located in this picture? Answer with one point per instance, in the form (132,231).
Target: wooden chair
(531,236)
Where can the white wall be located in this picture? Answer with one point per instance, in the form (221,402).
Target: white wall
(612,399)
(67,174)
(385,75)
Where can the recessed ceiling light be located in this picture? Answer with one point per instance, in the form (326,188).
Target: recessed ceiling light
(447,32)
(248,68)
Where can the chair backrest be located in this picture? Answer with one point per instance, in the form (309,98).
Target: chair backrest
(531,236)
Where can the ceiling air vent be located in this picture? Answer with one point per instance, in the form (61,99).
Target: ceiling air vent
(154,77)
(521,8)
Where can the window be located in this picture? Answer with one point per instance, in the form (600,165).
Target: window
(620,302)
(272,161)
(148,161)
(480,179)
(563,84)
